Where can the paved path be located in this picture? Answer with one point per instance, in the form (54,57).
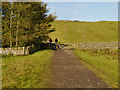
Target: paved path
(68,72)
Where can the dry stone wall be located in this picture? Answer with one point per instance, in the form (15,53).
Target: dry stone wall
(14,51)
(91,45)
(97,45)
(84,45)
(18,51)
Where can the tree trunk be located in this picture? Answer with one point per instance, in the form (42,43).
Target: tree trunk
(11,25)
(18,22)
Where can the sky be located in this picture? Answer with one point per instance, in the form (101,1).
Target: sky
(85,11)
(78,0)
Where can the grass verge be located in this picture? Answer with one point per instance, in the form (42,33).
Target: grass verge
(106,68)
(32,71)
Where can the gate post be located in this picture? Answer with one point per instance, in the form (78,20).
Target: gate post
(23,50)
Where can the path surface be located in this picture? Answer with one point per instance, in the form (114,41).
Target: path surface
(68,72)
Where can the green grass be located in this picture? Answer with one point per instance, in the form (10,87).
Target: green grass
(70,32)
(32,71)
(105,66)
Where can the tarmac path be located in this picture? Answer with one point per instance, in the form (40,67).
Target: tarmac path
(68,72)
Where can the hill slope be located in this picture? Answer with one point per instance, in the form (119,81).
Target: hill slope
(70,32)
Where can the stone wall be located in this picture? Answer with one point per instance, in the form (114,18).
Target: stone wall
(84,45)
(97,45)
(90,45)
(14,51)
(18,51)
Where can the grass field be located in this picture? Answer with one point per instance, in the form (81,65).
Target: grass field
(32,71)
(104,64)
(70,32)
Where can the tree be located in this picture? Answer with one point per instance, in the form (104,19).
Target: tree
(28,25)
(22,22)
(5,24)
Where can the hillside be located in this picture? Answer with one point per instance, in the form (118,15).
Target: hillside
(70,32)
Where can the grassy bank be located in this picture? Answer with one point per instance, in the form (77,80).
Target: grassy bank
(70,32)
(104,63)
(31,71)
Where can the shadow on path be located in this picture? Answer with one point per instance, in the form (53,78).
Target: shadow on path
(44,46)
